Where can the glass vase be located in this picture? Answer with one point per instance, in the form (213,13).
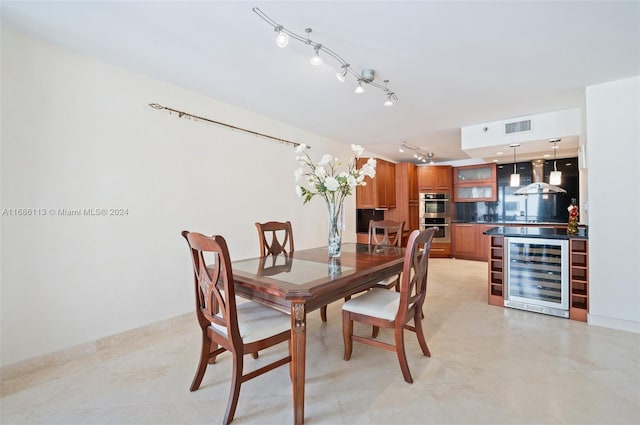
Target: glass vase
(336,223)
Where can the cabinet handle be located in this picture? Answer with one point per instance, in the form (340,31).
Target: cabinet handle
(437,249)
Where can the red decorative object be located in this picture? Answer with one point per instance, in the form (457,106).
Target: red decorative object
(572,226)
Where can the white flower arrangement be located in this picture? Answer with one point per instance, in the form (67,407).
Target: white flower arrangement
(324,178)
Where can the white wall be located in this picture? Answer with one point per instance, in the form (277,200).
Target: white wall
(613,155)
(565,124)
(78,133)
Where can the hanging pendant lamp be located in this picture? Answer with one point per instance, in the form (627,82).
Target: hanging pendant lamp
(514,181)
(555,177)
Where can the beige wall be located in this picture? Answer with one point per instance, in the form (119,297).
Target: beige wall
(77,133)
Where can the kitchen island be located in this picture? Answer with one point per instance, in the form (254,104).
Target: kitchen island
(469,238)
(540,269)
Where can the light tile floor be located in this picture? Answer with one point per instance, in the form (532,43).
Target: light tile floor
(489,365)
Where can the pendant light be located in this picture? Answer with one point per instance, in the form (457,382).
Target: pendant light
(555,178)
(515,177)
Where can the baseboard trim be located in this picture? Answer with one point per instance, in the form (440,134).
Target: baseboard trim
(609,322)
(29,366)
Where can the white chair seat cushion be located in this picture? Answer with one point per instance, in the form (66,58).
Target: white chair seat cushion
(257,322)
(388,281)
(377,302)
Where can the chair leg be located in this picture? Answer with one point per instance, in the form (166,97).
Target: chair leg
(234,392)
(323,313)
(420,334)
(254,355)
(205,350)
(214,347)
(402,356)
(347,332)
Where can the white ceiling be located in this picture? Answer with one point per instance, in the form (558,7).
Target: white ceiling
(452,64)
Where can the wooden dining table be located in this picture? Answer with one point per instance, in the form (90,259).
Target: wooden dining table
(307,280)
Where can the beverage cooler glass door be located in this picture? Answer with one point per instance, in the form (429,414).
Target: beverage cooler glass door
(537,275)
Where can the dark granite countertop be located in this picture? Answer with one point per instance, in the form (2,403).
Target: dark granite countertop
(535,232)
(509,222)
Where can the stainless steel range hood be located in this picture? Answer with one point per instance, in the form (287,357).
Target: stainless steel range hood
(538,186)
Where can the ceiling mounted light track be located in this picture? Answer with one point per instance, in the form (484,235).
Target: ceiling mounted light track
(417,153)
(365,77)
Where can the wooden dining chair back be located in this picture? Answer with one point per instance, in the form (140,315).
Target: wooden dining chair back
(275,237)
(388,309)
(226,325)
(385,232)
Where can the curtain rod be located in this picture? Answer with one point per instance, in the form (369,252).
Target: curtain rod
(182,114)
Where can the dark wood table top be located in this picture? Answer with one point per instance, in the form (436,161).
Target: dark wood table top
(309,275)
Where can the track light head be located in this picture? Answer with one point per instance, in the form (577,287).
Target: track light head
(282,39)
(342,75)
(316,59)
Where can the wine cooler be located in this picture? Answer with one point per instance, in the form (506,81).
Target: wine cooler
(537,275)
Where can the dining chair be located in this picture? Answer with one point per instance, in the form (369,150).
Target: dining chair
(389,309)
(387,233)
(240,328)
(277,237)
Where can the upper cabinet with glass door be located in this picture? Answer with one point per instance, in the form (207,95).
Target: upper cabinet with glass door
(475,183)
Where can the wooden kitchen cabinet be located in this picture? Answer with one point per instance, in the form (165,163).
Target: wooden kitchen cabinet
(475,183)
(463,239)
(380,192)
(469,241)
(434,178)
(440,250)
(406,195)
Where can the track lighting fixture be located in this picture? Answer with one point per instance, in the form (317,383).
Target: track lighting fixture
(555,177)
(514,181)
(366,76)
(417,153)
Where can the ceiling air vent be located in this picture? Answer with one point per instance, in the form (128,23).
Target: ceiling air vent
(517,127)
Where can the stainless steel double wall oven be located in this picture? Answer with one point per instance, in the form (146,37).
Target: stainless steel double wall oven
(435,210)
